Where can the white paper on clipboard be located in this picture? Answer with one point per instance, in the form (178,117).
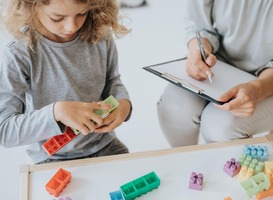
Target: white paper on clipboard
(225,77)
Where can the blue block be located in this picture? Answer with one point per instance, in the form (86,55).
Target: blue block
(258,152)
(116,195)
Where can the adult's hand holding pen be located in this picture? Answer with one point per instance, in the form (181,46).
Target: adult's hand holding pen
(195,66)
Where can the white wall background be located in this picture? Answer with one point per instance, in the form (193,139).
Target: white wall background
(157,36)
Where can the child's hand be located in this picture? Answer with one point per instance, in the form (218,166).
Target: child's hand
(115,118)
(79,115)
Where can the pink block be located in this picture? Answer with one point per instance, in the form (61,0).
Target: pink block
(232,167)
(196,181)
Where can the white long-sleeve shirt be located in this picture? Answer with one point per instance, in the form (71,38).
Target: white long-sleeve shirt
(240,31)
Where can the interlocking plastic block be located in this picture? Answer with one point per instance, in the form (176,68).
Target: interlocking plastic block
(232,167)
(253,163)
(196,181)
(77,132)
(266,193)
(245,173)
(255,184)
(268,169)
(259,152)
(116,195)
(58,182)
(113,102)
(140,186)
(227,198)
(57,142)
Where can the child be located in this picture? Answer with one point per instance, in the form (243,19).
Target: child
(63,62)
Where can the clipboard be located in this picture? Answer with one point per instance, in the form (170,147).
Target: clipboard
(225,77)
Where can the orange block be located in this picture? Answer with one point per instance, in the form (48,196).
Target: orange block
(228,198)
(58,182)
(266,193)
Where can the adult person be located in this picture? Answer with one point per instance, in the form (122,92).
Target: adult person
(238,32)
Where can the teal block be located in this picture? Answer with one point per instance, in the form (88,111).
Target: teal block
(140,186)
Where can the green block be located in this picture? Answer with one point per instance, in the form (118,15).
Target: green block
(103,113)
(140,186)
(255,184)
(110,100)
(75,131)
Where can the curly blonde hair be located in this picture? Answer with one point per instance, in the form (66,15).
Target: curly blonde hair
(102,21)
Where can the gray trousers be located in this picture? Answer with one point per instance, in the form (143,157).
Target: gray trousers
(183,115)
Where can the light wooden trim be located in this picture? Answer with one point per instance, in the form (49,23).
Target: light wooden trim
(24,182)
(155,153)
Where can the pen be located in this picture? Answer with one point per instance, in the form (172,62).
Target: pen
(202,51)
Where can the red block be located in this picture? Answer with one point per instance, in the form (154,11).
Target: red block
(57,142)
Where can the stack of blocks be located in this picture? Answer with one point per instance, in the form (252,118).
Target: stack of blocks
(258,152)
(249,168)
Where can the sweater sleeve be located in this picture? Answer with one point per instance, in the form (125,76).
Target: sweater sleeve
(20,125)
(198,17)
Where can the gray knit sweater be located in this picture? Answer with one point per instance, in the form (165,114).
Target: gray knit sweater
(31,82)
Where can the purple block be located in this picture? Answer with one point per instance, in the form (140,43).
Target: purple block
(232,167)
(196,181)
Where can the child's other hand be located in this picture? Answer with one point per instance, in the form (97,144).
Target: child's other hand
(79,115)
(115,118)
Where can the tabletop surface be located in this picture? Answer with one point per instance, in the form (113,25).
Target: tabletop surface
(96,178)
